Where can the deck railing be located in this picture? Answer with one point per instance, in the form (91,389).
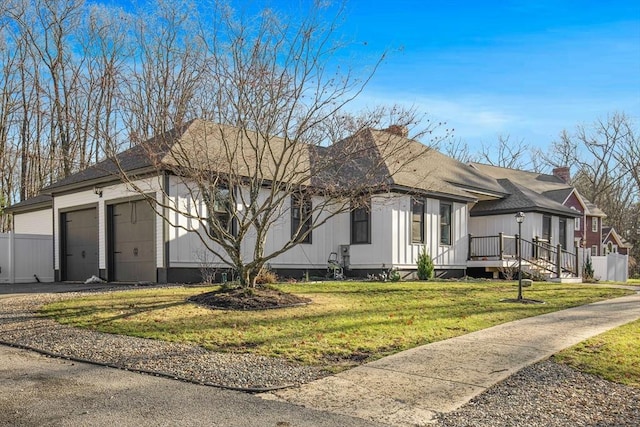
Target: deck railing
(538,252)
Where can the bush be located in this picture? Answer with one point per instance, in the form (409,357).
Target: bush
(425,266)
(588,272)
(394,275)
(266,277)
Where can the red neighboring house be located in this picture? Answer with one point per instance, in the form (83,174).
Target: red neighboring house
(588,229)
(614,243)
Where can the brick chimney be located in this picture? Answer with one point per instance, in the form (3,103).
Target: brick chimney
(398,130)
(563,173)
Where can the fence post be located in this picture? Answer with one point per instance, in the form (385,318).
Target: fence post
(469,247)
(12,257)
(559,259)
(501,245)
(577,260)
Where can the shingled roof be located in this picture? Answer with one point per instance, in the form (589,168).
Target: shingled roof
(395,160)
(550,186)
(521,198)
(138,158)
(409,164)
(41,201)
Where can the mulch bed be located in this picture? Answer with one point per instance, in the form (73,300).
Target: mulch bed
(259,298)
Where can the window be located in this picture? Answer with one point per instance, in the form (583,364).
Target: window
(417,221)
(361,225)
(594,250)
(576,224)
(594,224)
(301,218)
(562,232)
(445,223)
(219,202)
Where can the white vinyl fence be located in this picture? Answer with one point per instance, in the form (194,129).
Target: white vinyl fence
(26,258)
(612,267)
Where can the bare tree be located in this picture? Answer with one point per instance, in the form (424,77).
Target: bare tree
(166,70)
(605,158)
(458,149)
(507,154)
(268,151)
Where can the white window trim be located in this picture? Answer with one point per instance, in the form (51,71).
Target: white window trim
(594,250)
(576,224)
(594,224)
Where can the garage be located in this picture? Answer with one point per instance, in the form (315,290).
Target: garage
(79,244)
(131,242)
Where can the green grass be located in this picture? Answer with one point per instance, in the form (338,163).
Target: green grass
(614,355)
(347,323)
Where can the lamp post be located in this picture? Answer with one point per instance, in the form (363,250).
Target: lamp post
(519,220)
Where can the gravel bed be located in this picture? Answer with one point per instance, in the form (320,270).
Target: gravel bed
(549,394)
(19,325)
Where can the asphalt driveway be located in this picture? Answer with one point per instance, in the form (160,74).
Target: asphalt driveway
(39,391)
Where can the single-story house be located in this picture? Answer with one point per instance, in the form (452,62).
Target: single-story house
(106,227)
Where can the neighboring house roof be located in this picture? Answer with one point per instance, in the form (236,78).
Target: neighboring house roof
(39,202)
(610,234)
(521,199)
(560,195)
(593,210)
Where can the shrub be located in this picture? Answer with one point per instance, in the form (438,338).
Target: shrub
(588,272)
(425,266)
(266,277)
(394,275)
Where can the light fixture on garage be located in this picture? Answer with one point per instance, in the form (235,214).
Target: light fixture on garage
(97,191)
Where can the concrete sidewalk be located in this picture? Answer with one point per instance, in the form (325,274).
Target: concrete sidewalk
(409,388)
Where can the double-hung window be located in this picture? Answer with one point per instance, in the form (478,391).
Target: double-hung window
(445,223)
(301,218)
(594,224)
(361,225)
(417,221)
(219,203)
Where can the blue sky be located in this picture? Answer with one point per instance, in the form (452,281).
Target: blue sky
(526,69)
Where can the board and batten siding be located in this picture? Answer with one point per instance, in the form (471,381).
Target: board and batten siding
(111,194)
(405,253)
(186,248)
(491,225)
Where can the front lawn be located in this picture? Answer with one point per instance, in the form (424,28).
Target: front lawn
(347,323)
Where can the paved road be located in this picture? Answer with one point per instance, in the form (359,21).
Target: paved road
(40,391)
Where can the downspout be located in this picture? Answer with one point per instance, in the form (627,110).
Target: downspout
(165,226)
